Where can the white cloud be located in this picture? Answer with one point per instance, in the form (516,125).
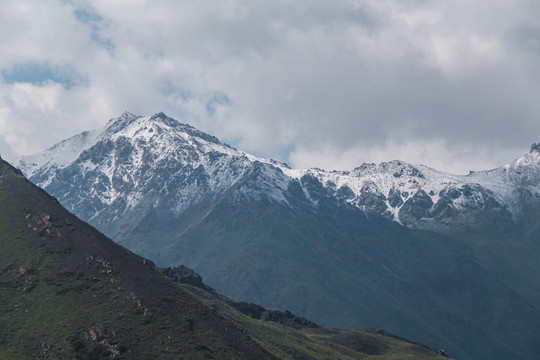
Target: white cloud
(449,84)
(438,154)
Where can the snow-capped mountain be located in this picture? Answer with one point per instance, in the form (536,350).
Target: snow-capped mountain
(137,164)
(420,196)
(140,163)
(327,245)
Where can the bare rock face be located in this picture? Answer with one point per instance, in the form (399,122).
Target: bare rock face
(184,275)
(416,207)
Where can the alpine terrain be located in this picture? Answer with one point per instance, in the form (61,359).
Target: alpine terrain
(451,261)
(68,292)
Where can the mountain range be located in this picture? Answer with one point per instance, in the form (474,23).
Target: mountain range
(68,292)
(451,261)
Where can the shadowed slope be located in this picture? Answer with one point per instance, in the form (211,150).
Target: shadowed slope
(66,289)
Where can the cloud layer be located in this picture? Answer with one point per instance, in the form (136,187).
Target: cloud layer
(454,85)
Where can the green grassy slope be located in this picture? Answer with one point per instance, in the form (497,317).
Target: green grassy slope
(68,292)
(321,342)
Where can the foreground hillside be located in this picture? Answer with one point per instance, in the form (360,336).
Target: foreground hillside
(67,292)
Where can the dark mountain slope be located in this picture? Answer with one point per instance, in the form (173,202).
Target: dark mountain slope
(67,292)
(184,275)
(344,269)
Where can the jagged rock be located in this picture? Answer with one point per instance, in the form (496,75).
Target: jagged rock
(184,275)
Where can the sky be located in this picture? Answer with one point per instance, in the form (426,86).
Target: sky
(452,84)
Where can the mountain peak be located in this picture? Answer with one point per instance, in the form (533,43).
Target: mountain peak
(122,121)
(167,120)
(535,147)
(128,119)
(126,116)
(159,115)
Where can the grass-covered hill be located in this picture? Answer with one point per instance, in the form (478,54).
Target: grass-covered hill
(68,292)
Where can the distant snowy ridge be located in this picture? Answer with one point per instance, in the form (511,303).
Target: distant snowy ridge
(133,158)
(398,181)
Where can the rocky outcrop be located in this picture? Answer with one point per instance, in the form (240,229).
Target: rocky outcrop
(184,275)
(282,317)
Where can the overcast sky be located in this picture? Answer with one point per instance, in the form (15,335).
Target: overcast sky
(332,84)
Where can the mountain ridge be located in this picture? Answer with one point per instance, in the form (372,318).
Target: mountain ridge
(68,292)
(329,246)
(389,188)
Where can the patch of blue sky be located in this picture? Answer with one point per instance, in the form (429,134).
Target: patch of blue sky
(38,74)
(284,154)
(87,17)
(95,22)
(168,88)
(234,143)
(217,99)
(103,42)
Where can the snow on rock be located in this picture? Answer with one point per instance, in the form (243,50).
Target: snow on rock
(136,162)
